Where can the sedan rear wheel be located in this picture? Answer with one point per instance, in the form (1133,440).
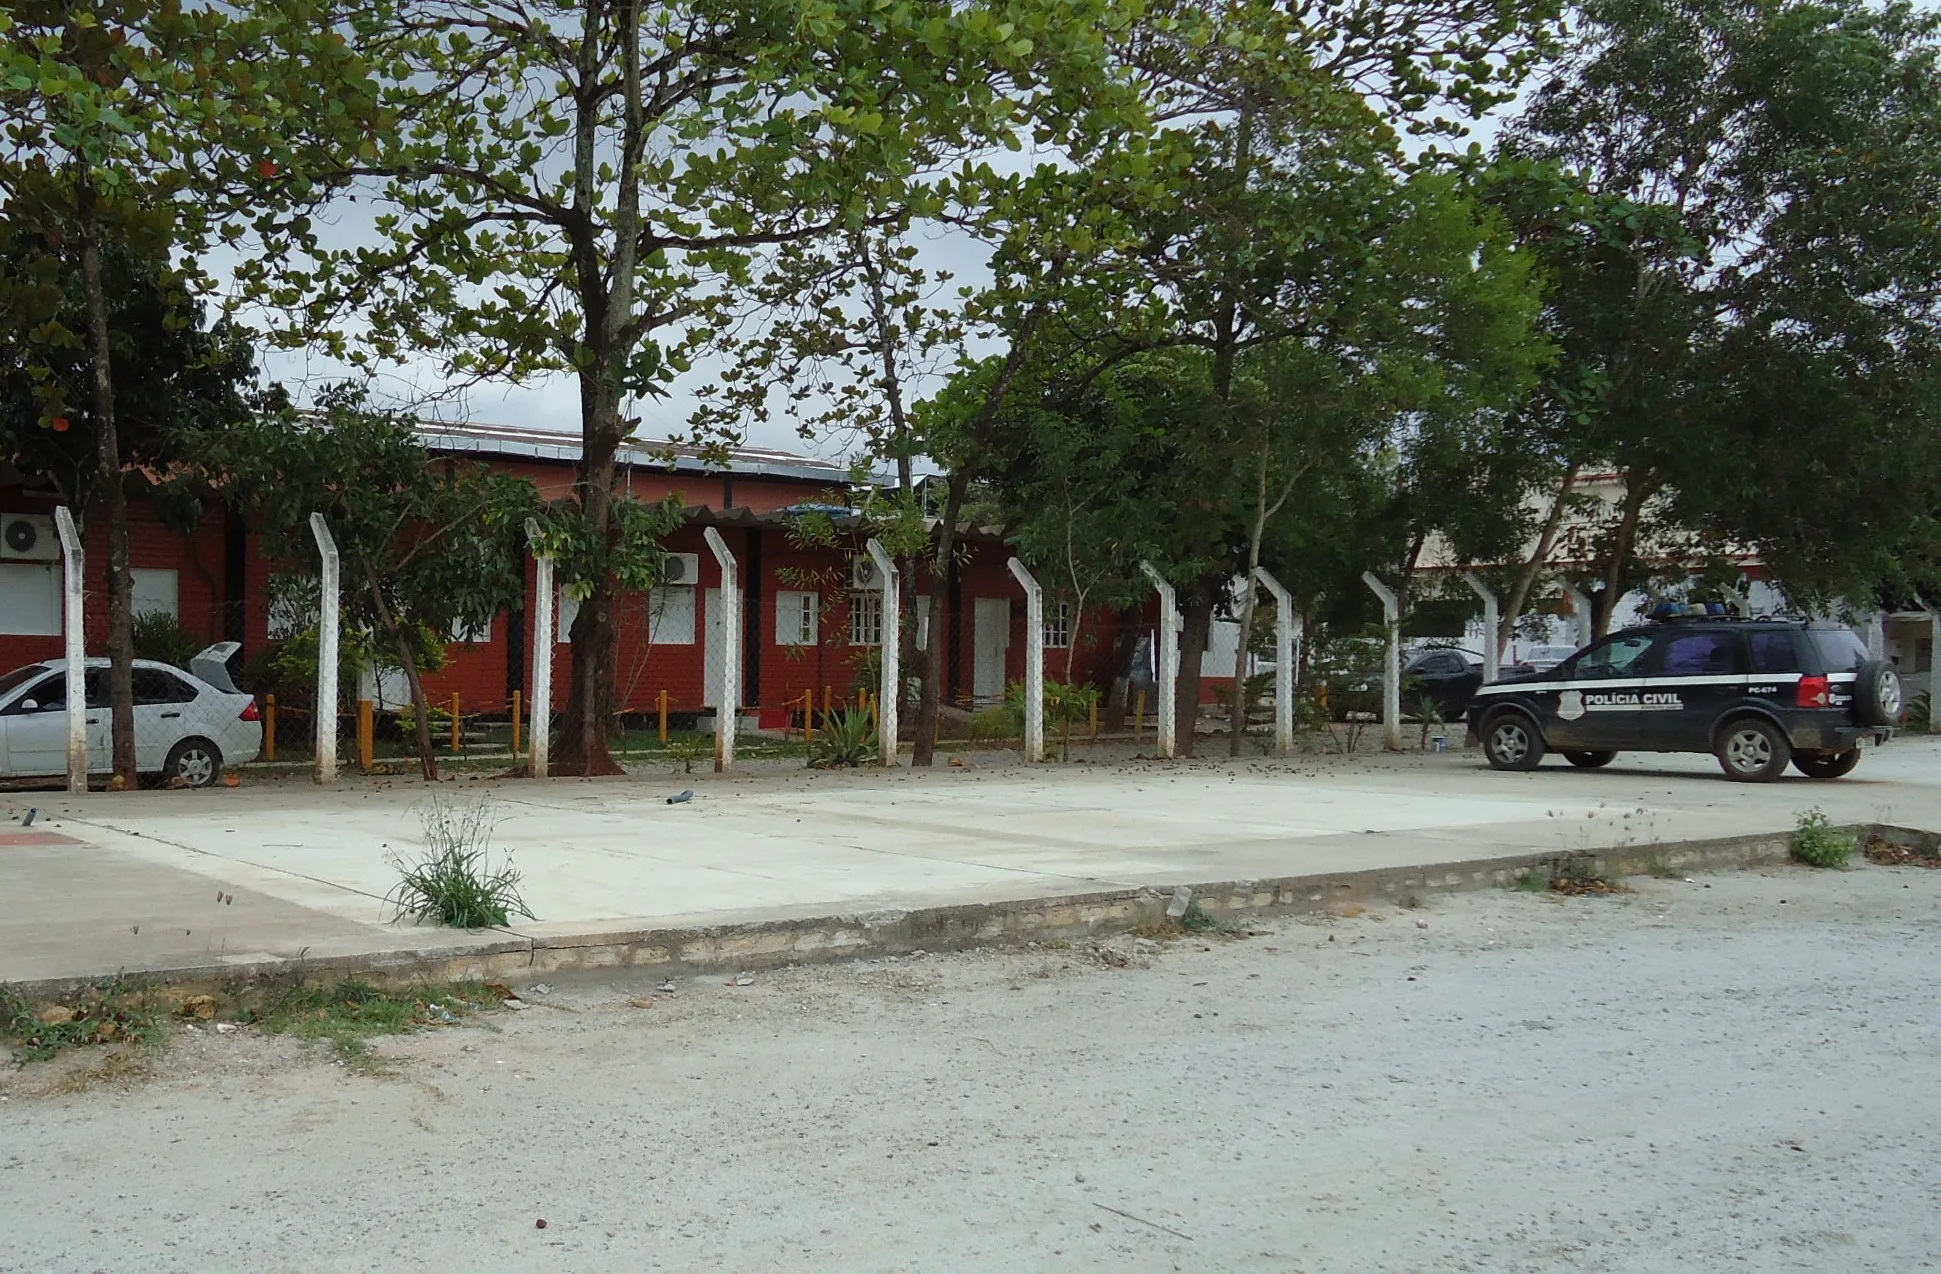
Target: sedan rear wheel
(1752,751)
(197,762)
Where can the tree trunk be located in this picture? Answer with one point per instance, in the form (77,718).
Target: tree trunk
(112,498)
(1125,646)
(1637,489)
(930,699)
(609,335)
(589,702)
(407,653)
(1526,574)
(1197,615)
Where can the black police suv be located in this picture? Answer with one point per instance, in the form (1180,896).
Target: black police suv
(1756,693)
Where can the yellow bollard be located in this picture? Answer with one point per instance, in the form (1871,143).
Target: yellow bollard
(808,716)
(269,727)
(457,742)
(515,725)
(663,716)
(1095,720)
(364,759)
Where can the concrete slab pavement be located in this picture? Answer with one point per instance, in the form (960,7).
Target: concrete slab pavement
(308,869)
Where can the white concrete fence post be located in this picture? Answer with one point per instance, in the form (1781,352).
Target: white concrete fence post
(1581,604)
(1286,633)
(727,713)
(1391,661)
(327,620)
(74,583)
(541,728)
(1492,619)
(1876,631)
(889,689)
(1034,662)
(1168,672)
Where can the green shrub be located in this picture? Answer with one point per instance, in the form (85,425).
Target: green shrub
(161,637)
(1817,844)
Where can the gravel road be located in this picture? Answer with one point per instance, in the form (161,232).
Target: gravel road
(1738,1072)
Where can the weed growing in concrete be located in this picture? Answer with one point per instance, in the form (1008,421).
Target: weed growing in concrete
(118,1010)
(1531,881)
(688,751)
(453,883)
(1661,869)
(353,1011)
(1817,844)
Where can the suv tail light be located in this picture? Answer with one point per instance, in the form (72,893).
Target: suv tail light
(1814,692)
(250,713)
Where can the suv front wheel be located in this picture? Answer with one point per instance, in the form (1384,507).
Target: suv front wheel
(1752,751)
(1511,742)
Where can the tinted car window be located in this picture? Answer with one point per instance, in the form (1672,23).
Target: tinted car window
(99,695)
(1774,650)
(1695,654)
(1839,649)
(1615,657)
(19,677)
(49,694)
(152,685)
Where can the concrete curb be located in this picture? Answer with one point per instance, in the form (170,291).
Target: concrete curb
(769,944)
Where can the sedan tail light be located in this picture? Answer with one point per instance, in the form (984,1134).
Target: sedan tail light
(1814,692)
(250,713)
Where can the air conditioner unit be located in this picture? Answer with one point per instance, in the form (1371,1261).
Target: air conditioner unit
(683,568)
(863,575)
(28,537)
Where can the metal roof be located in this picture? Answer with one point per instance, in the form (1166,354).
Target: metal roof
(517,442)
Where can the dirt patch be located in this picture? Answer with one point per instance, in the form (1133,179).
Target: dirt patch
(1885,853)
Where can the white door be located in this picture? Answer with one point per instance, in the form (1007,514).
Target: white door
(990,642)
(713,669)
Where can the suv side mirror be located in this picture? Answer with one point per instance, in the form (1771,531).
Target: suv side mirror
(30,705)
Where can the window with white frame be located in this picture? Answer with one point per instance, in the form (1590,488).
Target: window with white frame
(471,633)
(866,619)
(670,615)
(154,591)
(30,599)
(1058,625)
(798,618)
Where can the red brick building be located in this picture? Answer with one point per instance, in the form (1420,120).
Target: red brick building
(808,621)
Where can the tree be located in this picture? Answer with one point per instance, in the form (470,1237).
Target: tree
(427,552)
(149,123)
(1736,197)
(574,185)
(175,371)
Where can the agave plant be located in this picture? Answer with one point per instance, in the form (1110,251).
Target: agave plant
(847,739)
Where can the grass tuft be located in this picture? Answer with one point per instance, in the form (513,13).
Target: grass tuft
(453,882)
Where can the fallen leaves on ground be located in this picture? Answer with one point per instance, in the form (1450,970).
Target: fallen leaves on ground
(1886,853)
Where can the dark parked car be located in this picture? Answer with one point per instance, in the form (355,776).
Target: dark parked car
(1438,678)
(1757,694)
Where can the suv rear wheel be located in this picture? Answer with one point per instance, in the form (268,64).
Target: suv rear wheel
(1826,765)
(1511,742)
(1751,750)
